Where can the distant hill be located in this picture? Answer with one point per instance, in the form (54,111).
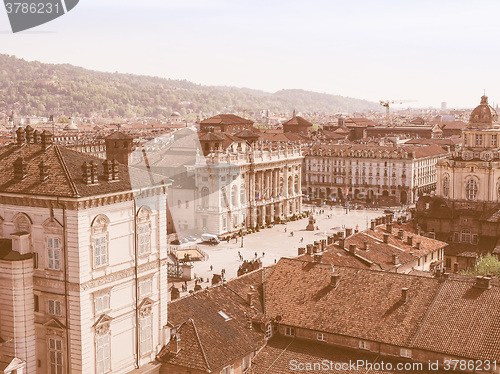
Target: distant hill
(35,88)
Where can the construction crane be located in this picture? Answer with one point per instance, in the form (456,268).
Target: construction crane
(387,103)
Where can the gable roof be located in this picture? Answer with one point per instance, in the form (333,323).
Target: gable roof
(226,119)
(298,121)
(366,304)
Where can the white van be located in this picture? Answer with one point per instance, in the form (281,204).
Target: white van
(210,238)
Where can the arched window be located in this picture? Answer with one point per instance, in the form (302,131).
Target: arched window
(204,197)
(446,186)
(99,240)
(234,196)
(242,193)
(471,189)
(53,242)
(296,185)
(290,185)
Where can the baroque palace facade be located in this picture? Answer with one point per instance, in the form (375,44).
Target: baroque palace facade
(83,257)
(375,174)
(466,208)
(244,185)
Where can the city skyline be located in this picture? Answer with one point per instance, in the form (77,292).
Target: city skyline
(427,52)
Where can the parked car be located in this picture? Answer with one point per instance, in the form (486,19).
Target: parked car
(192,238)
(210,238)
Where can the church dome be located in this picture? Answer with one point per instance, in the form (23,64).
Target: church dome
(483,114)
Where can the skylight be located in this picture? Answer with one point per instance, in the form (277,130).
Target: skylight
(224,315)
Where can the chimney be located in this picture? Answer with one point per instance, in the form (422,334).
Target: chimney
(250,298)
(309,249)
(301,250)
(395,259)
(176,343)
(46,139)
(249,321)
(95,176)
(86,173)
(386,238)
(342,243)
(401,234)
(418,245)
(318,257)
(388,227)
(365,245)
(482,282)
(373,225)
(114,169)
(323,244)
(20,136)
(404,294)
(315,249)
(44,171)
(348,232)
(20,169)
(410,240)
(36,137)
(21,242)
(108,170)
(329,240)
(29,134)
(352,248)
(335,280)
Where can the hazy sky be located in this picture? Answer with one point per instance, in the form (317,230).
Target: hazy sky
(429,51)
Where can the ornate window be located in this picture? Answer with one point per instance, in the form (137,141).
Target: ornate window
(55,356)
(234,196)
(471,189)
(100,241)
(494,140)
(479,140)
(204,197)
(242,193)
(53,253)
(54,307)
(103,344)
(144,231)
(465,236)
(101,303)
(446,186)
(146,326)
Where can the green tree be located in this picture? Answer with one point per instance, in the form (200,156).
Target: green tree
(486,265)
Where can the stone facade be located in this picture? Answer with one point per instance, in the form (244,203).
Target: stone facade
(248,185)
(375,174)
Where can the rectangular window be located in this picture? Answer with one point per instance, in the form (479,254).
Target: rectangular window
(321,337)
(146,338)
(103,349)
(405,352)
(474,239)
(179,204)
(289,331)
(101,303)
(144,238)
(269,331)
(456,237)
(54,253)
(187,204)
(145,287)
(448,263)
(479,139)
(100,251)
(494,140)
(36,303)
(227,370)
(55,356)
(54,307)
(364,344)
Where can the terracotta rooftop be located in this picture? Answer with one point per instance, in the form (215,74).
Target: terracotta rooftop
(64,177)
(298,121)
(226,119)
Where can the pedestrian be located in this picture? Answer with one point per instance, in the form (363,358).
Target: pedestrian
(255,254)
(301,239)
(285,229)
(291,234)
(263,254)
(211,267)
(239,254)
(242,242)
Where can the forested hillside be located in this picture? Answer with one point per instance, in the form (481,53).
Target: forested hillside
(34,88)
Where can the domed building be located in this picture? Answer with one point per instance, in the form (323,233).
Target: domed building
(473,173)
(465,210)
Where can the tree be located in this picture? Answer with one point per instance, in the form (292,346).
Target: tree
(486,265)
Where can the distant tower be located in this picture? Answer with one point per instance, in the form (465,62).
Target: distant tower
(443,105)
(341,122)
(119,146)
